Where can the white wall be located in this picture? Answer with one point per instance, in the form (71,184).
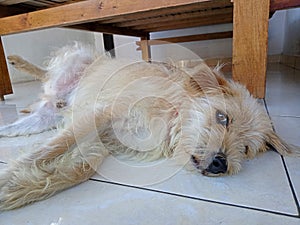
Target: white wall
(276,33)
(284,37)
(203,49)
(36,46)
(292,32)
(125,47)
(221,48)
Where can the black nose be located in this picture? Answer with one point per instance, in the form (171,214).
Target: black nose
(218,165)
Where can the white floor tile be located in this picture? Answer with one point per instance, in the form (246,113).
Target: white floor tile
(254,186)
(261,184)
(24,94)
(293,167)
(283,92)
(98,203)
(12,148)
(8,113)
(286,127)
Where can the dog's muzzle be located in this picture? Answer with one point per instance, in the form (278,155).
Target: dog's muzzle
(217,167)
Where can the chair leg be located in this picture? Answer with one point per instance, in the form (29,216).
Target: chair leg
(146,51)
(250,42)
(5,84)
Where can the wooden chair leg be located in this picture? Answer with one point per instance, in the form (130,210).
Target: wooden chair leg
(5,84)
(146,51)
(109,45)
(250,42)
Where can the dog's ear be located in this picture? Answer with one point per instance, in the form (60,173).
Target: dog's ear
(205,80)
(281,146)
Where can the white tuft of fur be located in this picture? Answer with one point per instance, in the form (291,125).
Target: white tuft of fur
(63,74)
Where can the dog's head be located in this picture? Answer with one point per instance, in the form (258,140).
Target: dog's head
(227,125)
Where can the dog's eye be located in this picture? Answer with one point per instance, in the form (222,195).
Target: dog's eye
(222,118)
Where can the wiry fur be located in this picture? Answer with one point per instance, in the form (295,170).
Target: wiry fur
(60,78)
(147,110)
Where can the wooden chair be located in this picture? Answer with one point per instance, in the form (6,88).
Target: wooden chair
(141,17)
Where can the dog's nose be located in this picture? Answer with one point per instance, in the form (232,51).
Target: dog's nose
(218,165)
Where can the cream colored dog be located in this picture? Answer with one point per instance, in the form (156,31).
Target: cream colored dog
(149,110)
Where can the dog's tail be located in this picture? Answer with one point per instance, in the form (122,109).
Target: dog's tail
(24,66)
(60,164)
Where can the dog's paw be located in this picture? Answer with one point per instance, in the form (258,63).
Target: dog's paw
(13,191)
(14,60)
(5,191)
(9,200)
(22,183)
(5,203)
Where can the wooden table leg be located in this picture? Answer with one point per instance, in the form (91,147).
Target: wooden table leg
(145,48)
(250,42)
(5,84)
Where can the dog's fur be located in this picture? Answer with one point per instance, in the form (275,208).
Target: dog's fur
(60,80)
(148,110)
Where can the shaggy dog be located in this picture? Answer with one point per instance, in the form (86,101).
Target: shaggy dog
(148,110)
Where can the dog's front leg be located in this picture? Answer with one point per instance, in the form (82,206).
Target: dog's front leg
(66,160)
(43,119)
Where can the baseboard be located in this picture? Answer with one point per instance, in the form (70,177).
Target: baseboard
(274,58)
(291,61)
(288,60)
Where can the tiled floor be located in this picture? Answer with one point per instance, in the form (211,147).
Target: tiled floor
(266,191)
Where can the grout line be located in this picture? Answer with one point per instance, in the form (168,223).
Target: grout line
(286,170)
(291,185)
(197,198)
(286,116)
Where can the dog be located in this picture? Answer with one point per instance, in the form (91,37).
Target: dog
(147,110)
